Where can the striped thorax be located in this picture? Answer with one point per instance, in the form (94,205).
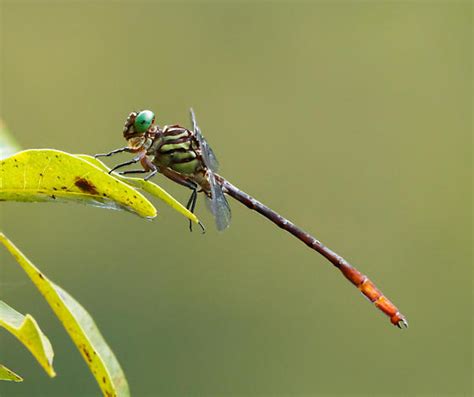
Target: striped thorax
(176,148)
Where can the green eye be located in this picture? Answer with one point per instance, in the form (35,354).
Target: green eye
(144,120)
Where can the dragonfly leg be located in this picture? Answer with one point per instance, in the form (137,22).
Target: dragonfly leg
(120,150)
(203,229)
(149,166)
(133,161)
(191,205)
(133,172)
(192,200)
(151,174)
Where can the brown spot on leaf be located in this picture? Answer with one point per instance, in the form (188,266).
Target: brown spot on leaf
(85,186)
(40,275)
(86,353)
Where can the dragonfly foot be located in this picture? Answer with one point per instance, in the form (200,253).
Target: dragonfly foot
(203,229)
(402,323)
(151,175)
(101,155)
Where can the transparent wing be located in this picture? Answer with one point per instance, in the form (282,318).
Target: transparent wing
(208,155)
(218,205)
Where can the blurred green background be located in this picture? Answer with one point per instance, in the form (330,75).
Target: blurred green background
(351,118)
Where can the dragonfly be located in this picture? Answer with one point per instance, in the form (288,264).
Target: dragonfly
(184,156)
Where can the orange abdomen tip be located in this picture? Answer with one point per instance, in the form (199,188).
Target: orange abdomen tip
(369,289)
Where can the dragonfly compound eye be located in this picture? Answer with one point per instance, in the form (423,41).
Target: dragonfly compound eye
(144,120)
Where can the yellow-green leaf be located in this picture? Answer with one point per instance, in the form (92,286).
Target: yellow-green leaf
(51,175)
(27,331)
(8,145)
(8,374)
(80,327)
(147,186)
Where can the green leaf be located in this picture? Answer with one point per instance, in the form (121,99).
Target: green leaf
(27,331)
(148,187)
(80,327)
(51,175)
(8,145)
(8,374)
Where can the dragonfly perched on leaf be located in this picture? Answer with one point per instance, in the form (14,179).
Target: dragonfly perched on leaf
(185,157)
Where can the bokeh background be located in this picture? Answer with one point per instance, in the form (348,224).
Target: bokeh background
(351,118)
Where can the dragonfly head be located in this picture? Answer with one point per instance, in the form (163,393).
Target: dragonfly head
(138,128)
(138,123)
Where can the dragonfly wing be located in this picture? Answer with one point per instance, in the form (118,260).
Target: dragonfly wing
(219,205)
(207,153)
(212,162)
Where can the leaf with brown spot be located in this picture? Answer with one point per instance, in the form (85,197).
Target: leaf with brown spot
(146,186)
(32,176)
(79,325)
(86,186)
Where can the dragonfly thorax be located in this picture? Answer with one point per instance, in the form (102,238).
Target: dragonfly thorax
(177,148)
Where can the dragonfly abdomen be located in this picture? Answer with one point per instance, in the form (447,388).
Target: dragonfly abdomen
(362,282)
(175,149)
